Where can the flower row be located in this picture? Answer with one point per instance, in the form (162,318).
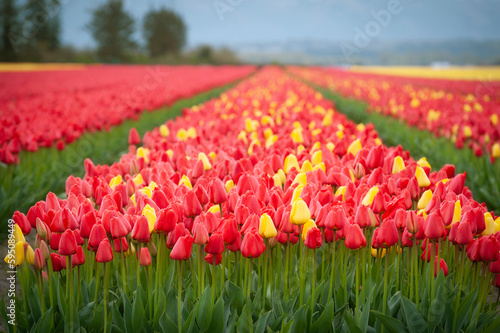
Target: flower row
(267,171)
(42,109)
(467,118)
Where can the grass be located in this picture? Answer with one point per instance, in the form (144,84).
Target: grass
(46,170)
(483,177)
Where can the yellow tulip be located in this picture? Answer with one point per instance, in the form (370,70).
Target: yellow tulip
(354,147)
(16,257)
(300,213)
(277,180)
(490,225)
(330,146)
(341,190)
(424,199)
(495,150)
(317,157)
(374,252)
(290,163)
(306,166)
(164,131)
(214,209)
(18,234)
(296,193)
(185,181)
(301,178)
(398,165)
(115,181)
(309,225)
(370,195)
(138,180)
(266,227)
(204,159)
(457,212)
(30,255)
(423,180)
(150,214)
(144,153)
(423,163)
(229,185)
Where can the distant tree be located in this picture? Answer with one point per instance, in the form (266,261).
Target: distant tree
(164,32)
(112,28)
(42,19)
(8,18)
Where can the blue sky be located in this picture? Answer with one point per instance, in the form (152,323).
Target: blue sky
(252,21)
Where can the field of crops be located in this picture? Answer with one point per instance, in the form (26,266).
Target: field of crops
(294,199)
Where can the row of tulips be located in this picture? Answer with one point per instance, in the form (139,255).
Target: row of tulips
(261,210)
(468,119)
(53,108)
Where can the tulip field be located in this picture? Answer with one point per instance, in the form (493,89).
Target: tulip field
(262,209)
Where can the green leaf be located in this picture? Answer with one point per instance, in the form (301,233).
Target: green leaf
(261,323)
(117,318)
(364,317)
(217,321)
(324,322)
(235,295)
(465,307)
(188,324)
(205,310)
(137,311)
(392,324)
(494,326)
(300,319)
(166,324)
(414,320)
(85,314)
(245,322)
(351,322)
(34,304)
(46,323)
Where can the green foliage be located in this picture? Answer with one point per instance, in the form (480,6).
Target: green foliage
(112,28)
(47,169)
(164,32)
(483,177)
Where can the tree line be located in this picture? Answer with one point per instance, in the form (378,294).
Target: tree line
(31,31)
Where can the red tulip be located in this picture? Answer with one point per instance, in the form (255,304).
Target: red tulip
(57,262)
(67,243)
(78,258)
(182,248)
(217,191)
(215,244)
(39,260)
(118,229)
(104,252)
(442,266)
(200,233)
(96,236)
(210,259)
(388,234)
(314,238)
(145,257)
(354,238)
(252,245)
(191,205)
(23,223)
(434,226)
(133,137)
(140,232)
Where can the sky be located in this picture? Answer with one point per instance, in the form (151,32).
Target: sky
(240,22)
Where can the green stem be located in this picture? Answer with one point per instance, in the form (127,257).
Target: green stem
(264,286)
(287,257)
(386,278)
(357,286)
(301,270)
(313,281)
(214,282)
(332,263)
(70,295)
(106,278)
(179,292)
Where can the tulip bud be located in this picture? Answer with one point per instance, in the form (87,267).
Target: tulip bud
(104,252)
(140,232)
(67,243)
(182,248)
(252,245)
(145,257)
(300,213)
(133,137)
(215,244)
(398,165)
(218,193)
(41,228)
(354,238)
(30,254)
(45,250)
(423,180)
(266,227)
(424,200)
(370,195)
(434,226)
(314,238)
